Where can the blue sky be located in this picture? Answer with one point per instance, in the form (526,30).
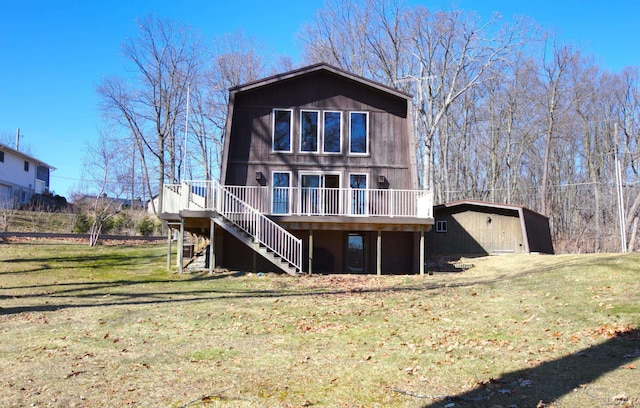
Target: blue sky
(53,53)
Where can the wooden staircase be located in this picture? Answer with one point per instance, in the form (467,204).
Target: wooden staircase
(244,222)
(257,246)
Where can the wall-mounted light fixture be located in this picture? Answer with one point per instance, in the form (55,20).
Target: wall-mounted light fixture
(259,176)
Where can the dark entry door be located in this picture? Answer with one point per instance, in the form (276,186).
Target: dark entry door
(356,252)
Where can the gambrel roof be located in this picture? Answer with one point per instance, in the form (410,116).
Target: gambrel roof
(322,66)
(488,205)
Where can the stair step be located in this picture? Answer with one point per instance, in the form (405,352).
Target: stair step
(235,230)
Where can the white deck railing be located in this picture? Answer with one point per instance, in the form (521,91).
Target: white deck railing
(305,201)
(210,195)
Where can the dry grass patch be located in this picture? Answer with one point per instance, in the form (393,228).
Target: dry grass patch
(109,327)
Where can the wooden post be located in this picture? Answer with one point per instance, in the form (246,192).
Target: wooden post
(379,254)
(169,230)
(421,252)
(255,258)
(212,246)
(180,246)
(310,251)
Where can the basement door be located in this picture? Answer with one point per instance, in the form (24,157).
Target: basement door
(356,252)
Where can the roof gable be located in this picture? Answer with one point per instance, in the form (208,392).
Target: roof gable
(485,205)
(320,67)
(24,156)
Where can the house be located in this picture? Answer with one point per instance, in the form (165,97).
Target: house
(471,228)
(115,202)
(21,176)
(318,175)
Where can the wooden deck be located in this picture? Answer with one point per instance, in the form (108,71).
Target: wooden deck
(263,217)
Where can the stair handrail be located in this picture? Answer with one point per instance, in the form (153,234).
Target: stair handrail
(262,229)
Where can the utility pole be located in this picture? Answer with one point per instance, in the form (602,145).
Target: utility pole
(186,132)
(18,139)
(621,217)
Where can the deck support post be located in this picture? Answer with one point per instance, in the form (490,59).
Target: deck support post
(421,252)
(255,257)
(212,246)
(310,251)
(379,254)
(180,256)
(169,230)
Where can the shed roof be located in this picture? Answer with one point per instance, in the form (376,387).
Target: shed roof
(322,66)
(484,204)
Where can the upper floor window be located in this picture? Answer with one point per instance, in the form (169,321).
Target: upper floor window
(26,165)
(358,132)
(309,131)
(1,157)
(281,130)
(332,132)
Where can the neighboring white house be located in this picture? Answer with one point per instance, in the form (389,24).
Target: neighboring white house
(21,176)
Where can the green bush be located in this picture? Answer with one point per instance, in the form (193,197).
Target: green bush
(108,225)
(146,226)
(123,222)
(82,223)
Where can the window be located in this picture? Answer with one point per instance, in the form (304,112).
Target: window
(319,193)
(358,132)
(309,131)
(26,165)
(358,182)
(281,130)
(332,132)
(1,157)
(280,202)
(441,226)
(309,193)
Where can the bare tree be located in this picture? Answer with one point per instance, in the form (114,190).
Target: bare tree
(236,59)
(106,181)
(165,58)
(627,143)
(437,56)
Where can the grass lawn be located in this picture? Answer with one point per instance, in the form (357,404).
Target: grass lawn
(108,326)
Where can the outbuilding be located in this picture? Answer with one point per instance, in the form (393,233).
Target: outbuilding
(469,228)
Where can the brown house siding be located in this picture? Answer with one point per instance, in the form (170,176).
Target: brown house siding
(389,163)
(250,144)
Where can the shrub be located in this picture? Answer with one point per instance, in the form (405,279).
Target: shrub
(146,226)
(123,223)
(108,225)
(82,224)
